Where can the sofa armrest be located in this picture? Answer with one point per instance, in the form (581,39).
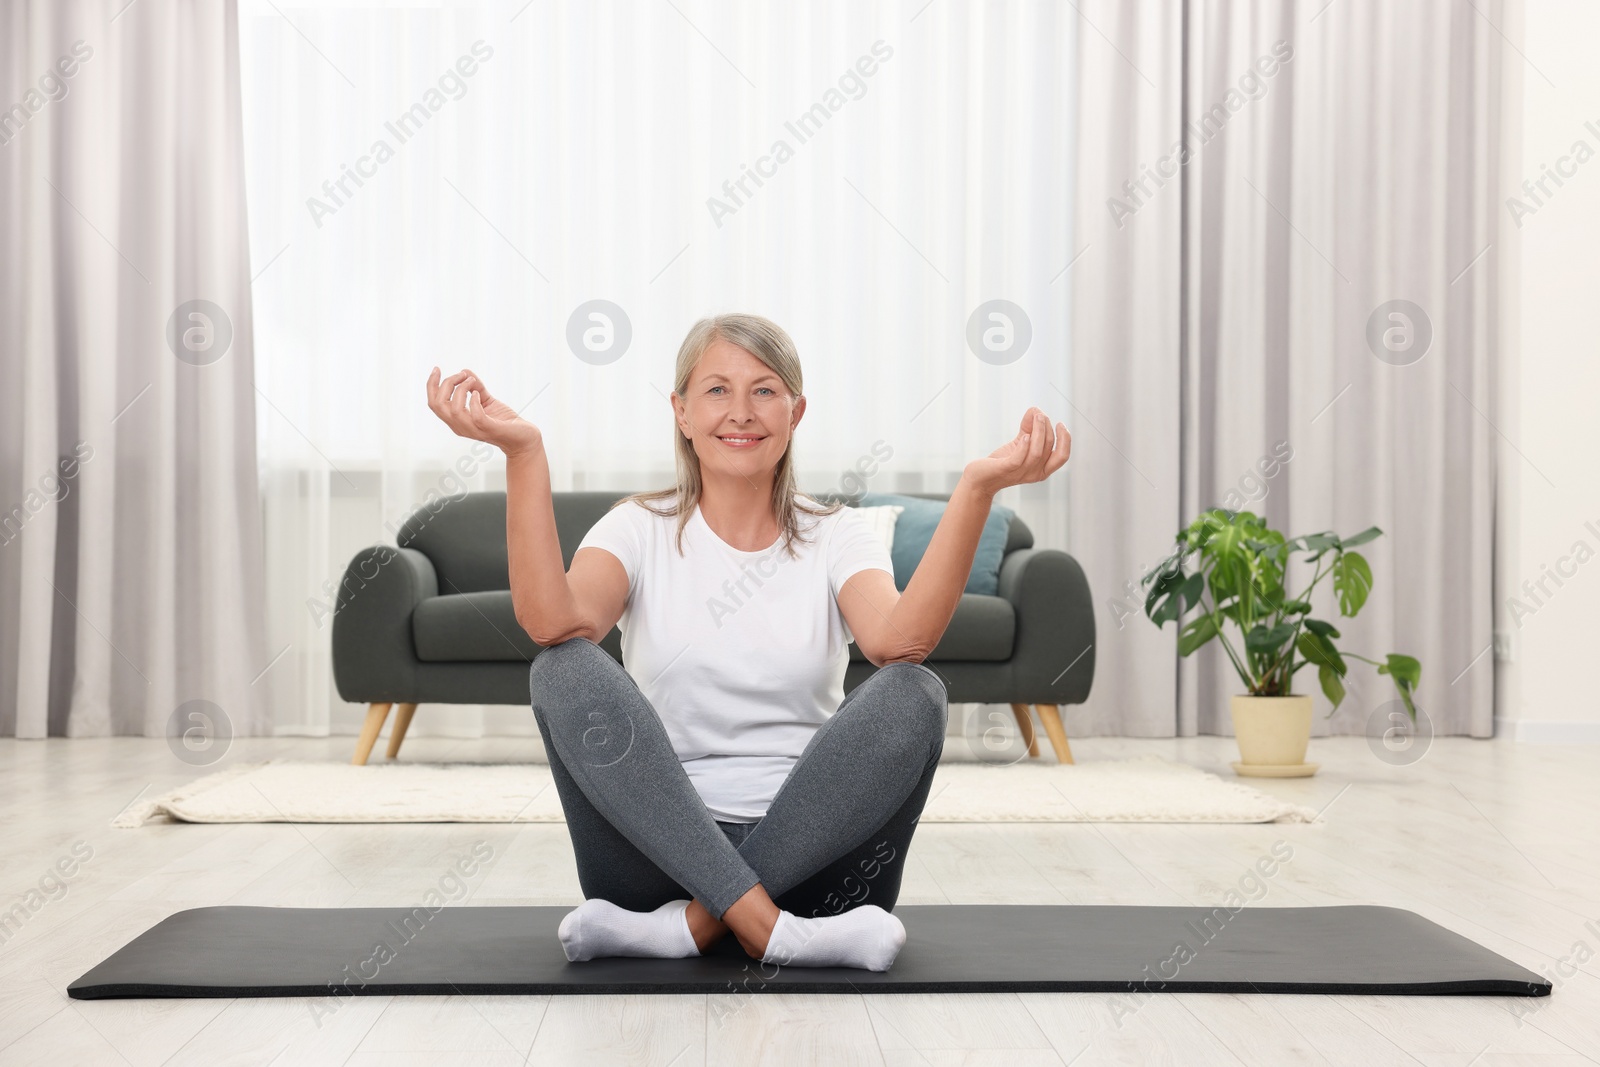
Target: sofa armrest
(374,657)
(1052,661)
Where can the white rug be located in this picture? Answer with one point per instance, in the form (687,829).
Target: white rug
(1149,789)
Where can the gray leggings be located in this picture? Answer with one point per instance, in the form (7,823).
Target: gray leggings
(834,837)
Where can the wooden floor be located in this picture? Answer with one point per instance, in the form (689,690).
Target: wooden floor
(1496,840)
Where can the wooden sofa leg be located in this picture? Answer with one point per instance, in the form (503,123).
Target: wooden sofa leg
(402,722)
(376,713)
(1024,714)
(1051,717)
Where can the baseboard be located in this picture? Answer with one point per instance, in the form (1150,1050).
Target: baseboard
(1548,731)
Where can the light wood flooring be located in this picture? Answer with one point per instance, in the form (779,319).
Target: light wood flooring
(1496,840)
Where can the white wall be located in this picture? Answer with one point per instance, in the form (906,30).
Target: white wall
(1549,497)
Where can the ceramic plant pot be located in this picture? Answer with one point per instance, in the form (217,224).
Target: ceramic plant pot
(1273,733)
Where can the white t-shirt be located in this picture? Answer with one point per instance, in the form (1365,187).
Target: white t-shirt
(742,654)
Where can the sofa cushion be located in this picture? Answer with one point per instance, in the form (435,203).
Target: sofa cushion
(915,527)
(1018,535)
(470,628)
(482,628)
(982,630)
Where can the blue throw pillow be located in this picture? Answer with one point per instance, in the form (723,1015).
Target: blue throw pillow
(914,529)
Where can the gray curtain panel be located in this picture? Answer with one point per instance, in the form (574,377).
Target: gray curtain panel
(1123,478)
(1294,313)
(130,555)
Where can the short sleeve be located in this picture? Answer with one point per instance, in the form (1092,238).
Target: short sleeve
(854,547)
(620,532)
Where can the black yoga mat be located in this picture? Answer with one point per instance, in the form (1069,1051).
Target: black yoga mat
(950,948)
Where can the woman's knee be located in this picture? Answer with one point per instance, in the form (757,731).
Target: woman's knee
(924,699)
(554,669)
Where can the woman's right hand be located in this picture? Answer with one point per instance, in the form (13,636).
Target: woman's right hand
(487,419)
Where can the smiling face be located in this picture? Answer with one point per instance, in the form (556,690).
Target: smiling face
(737,413)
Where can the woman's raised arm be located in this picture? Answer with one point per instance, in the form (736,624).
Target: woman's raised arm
(549,604)
(890,627)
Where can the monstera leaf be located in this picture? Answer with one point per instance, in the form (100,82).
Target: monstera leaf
(1173,594)
(1352,581)
(1406,672)
(1202,629)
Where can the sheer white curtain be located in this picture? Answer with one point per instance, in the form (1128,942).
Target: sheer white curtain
(450,184)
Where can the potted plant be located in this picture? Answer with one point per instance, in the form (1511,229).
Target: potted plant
(1239,567)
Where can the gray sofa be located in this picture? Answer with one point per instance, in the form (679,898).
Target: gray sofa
(431,622)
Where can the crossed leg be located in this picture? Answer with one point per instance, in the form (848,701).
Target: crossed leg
(834,838)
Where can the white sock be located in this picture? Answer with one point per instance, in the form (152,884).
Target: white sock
(599,928)
(866,937)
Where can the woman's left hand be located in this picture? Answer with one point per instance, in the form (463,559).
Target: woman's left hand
(1032,456)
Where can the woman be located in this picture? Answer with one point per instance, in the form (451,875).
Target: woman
(723,782)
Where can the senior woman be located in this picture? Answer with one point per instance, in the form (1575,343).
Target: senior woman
(722,781)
